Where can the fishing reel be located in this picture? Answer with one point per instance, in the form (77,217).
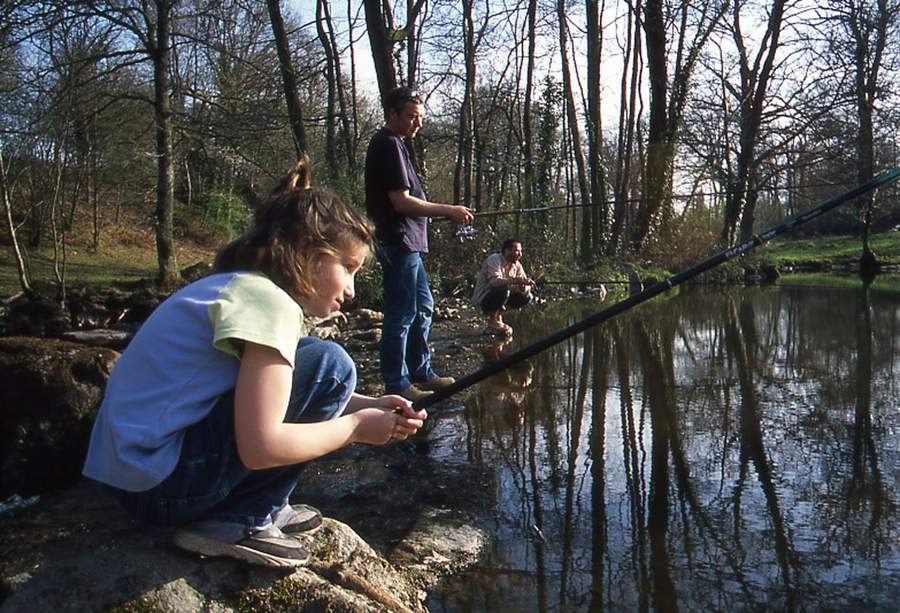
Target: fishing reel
(465,233)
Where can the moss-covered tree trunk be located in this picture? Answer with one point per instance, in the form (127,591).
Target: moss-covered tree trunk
(165,181)
(24,282)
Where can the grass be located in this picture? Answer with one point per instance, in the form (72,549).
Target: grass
(834,249)
(127,253)
(882,283)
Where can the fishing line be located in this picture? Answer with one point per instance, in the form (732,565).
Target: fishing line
(652,291)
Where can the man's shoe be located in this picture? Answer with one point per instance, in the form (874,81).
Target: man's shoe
(297,519)
(435,383)
(268,546)
(413,393)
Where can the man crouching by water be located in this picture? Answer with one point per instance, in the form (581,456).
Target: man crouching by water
(502,284)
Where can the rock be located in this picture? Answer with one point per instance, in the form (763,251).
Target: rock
(635,283)
(34,315)
(442,540)
(48,411)
(84,554)
(372,335)
(444,313)
(196,271)
(869,266)
(366,318)
(397,521)
(113,339)
(769,273)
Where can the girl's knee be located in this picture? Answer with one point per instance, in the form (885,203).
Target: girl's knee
(329,354)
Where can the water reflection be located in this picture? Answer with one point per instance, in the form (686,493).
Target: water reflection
(713,451)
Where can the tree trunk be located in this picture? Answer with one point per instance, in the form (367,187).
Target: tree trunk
(529,186)
(754,87)
(347,133)
(572,115)
(288,78)
(331,103)
(658,149)
(59,241)
(869,30)
(413,8)
(462,174)
(380,42)
(21,270)
(93,186)
(599,212)
(165,188)
(354,138)
(627,121)
(695,23)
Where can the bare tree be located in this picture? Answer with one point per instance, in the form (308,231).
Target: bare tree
(468,136)
(598,209)
(751,94)
(628,120)
(289,79)
(148,23)
(336,94)
(383,34)
(24,281)
(693,26)
(574,131)
(527,137)
(867,26)
(158,47)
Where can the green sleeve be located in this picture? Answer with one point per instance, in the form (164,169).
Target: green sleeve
(252,308)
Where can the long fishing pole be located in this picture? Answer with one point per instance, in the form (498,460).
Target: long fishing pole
(654,290)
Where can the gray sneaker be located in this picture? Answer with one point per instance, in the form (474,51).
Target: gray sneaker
(268,546)
(297,519)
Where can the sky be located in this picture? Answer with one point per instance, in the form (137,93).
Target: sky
(306,11)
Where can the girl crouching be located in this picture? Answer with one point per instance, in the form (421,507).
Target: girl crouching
(221,397)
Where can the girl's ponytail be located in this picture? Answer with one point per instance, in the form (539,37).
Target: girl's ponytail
(295,223)
(297,178)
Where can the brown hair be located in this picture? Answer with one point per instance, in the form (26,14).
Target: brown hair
(297,224)
(397,98)
(297,177)
(510,243)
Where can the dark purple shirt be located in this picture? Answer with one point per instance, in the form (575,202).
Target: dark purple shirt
(388,168)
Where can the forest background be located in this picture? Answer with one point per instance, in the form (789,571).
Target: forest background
(643,131)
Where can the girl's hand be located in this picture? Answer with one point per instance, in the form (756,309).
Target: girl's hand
(377,426)
(399,404)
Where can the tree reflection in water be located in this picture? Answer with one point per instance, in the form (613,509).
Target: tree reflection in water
(711,451)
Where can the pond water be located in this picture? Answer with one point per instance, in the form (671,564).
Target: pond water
(717,450)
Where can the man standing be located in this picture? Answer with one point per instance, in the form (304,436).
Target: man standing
(396,202)
(502,284)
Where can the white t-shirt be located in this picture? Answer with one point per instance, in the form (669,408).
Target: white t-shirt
(178,365)
(495,268)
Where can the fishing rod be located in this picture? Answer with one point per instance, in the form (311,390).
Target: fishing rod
(579,282)
(652,291)
(606,202)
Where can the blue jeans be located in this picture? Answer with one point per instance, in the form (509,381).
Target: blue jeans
(408,306)
(211,483)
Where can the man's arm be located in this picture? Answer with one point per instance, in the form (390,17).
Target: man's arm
(407,204)
(520,278)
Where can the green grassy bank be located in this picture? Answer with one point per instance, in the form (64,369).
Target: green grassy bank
(832,249)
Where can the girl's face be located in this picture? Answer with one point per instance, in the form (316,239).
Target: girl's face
(333,277)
